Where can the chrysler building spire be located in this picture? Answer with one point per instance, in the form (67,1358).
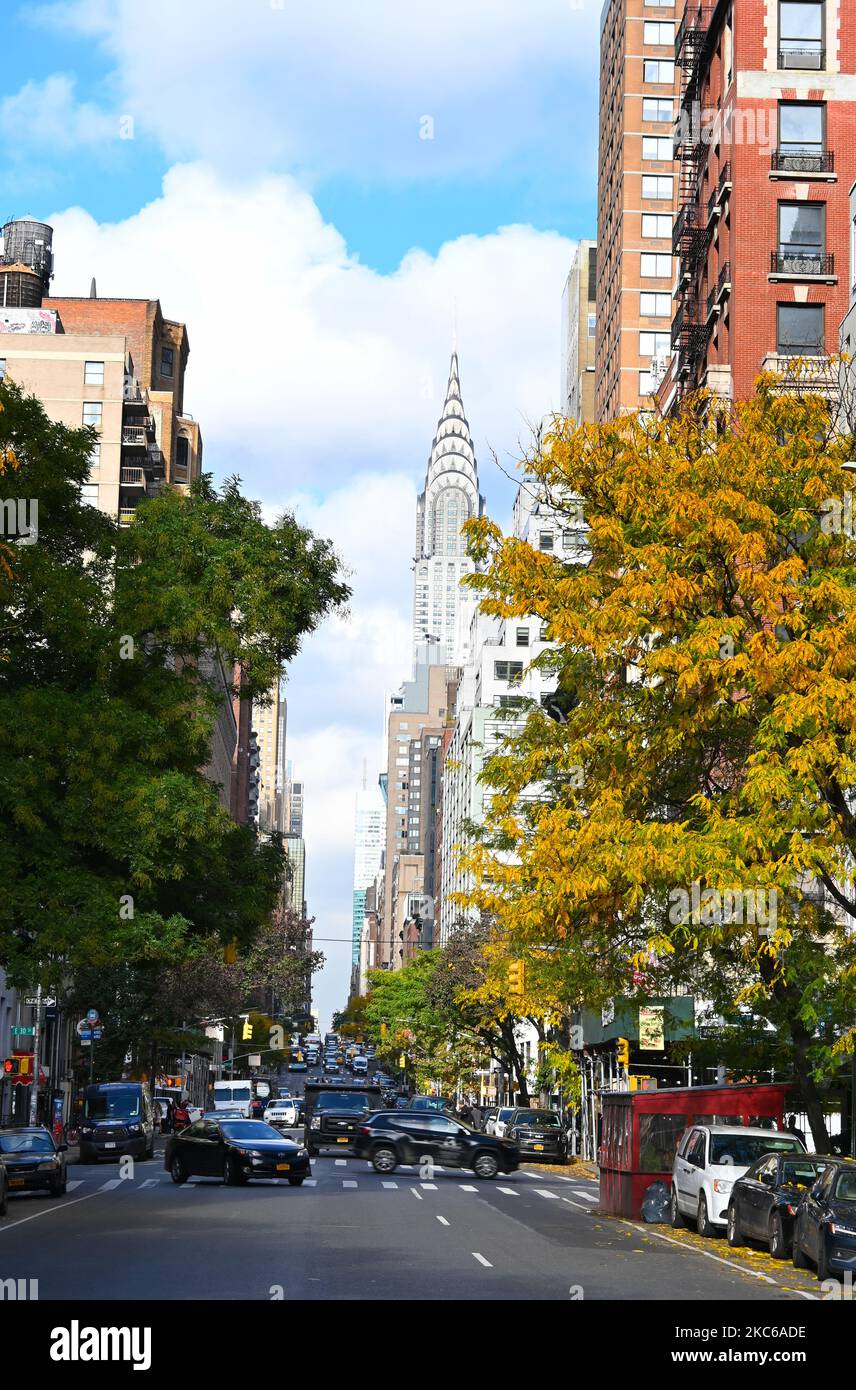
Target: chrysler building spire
(451,497)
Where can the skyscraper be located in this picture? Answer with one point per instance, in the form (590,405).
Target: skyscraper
(450,497)
(369,828)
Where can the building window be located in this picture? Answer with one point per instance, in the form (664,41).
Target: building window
(657,186)
(542,634)
(182,452)
(658,70)
(167,361)
(801,34)
(92,412)
(657,224)
(2,368)
(656,31)
(799,330)
(801,127)
(801,238)
(93,373)
(545,541)
(592,325)
(655,306)
(648,383)
(95,456)
(655,344)
(657,147)
(657,266)
(89,494)
(522,637)
(508,670)
(658,109)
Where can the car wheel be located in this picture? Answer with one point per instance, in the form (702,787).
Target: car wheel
(384,1159)
(57,1188)
(176,1170)
(703,1222)
(675,1212)
(732,1226)
(295,1182)
(799,1260)
(486,1165)
(778,1244)
(232,1175)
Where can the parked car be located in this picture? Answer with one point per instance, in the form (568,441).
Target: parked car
(282,1114)
(235,1150)
(709,1160)
(825,1223)
(764,1201)
(488,1117)
(538,1134)
(224,1114)
(31,1160)
(438,1104)
(500,1120)
(407,1136)
(117,1119)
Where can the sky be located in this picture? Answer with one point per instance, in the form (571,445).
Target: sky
(324,194)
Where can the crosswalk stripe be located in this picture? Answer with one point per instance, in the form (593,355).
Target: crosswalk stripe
(150,1182)
(442,1220)
(310,1182)
(509,1191)
(348,1183)
(75,1182)
(110,1184)
(390,1185)
(545,1192)
(465,1188)
(582,1192)
(429,1187)
(417,1194)
(481,1259)
(340,1162)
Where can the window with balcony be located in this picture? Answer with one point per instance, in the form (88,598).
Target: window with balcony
(799,330)
(802,235)
(801,26)
(802,138)
(93,373)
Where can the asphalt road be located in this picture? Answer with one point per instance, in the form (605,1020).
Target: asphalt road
(350,1234)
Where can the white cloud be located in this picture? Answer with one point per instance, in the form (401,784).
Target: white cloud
(47,115)
(342,87)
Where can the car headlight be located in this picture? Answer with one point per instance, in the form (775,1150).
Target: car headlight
(86,1129)
(838,1229)
(302,1153)
(134,1129)
(49,1165)
(251,1153)
(315,1122)
(722,1185)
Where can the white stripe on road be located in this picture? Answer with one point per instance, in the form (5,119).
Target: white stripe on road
(730,1264)
(416,1194)
(111,1183)
(464,1188)
(509,1191)
(48,1211)
(389,1185)
(545,1192)
(481,1259)
(75,1182)
(150,1182)
(348,1182)
(577,1206)
(340,1162)
(442,1220)
(429,1186)
(310,1182)
(581,1192)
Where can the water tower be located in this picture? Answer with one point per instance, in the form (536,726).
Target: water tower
(26,263)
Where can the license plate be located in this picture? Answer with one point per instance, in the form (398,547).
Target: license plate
(343,1140)
(283,1167)
(109,1144)
(16,1182)
(539,1148)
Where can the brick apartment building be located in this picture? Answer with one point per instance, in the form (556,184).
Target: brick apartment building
(766,136)
(637,189)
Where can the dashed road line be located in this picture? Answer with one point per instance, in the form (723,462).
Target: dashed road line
(428,1186)
(581,1192)
(416,1194)
(481,1259)
(390,1186)
(349,1182)
(545,1192)
(442,1220)
(509,1191)
(111,1183)
(466,1188)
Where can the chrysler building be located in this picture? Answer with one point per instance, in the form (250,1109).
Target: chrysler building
(450,498)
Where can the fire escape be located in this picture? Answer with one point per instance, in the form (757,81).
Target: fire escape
(693,230)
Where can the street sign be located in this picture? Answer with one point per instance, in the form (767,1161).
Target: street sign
(47,999)
(19,1031)
(255,1059)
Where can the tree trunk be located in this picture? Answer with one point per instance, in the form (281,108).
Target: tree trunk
(808,1089)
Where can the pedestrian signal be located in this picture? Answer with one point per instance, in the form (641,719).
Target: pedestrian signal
(247,1031)
(623,1052)
(516,978)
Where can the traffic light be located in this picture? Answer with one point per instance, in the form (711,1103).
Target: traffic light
(12,1066)
(383,1030)
(517,978)
(622,1052)
(247,1031)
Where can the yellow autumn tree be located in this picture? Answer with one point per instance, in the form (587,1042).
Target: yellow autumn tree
(693,817)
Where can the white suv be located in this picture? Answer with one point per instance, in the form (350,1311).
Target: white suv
(709,1161)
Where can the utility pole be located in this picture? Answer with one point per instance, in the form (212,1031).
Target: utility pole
(37,1060)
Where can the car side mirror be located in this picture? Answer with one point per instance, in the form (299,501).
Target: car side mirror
(62,1147)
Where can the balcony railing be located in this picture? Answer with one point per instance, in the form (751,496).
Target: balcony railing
(803,161)
(126,515)
(807,55)
(134,437)
(719,290)
(133,477)
(801,263)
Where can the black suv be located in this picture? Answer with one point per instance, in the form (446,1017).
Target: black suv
(409,1136)
(539,1135)
(333,1114)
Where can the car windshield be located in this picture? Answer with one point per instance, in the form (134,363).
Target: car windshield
(233,1094)
(122,1101)
(504,1114)
(845,1186)
(341,1100)
(537,1119)
(800,1171)
(740,1150)
(249,1129)
(26,1144)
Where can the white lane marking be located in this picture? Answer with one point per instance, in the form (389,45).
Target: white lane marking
(577,1206)
(48,1211)
(346,1182)
(310,1182)
(730,1264)
(442,1220)
(428,1186)
(545,1192)
(75,1182)
(416,1194)
(465,1188)
(438,1168)
(149,1182)
(110,1184)
(509,1191)
(340,1162)
(390,1185)
(481,1259)
(581,1192)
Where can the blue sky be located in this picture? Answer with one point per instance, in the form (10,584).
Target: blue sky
(318,191)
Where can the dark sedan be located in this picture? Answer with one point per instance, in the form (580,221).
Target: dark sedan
(764,1200)
(825,1225)
(412,1136)
(32,1160)
(538,1134)
(234,1150)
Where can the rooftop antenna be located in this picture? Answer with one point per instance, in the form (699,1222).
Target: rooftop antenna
(93,293)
